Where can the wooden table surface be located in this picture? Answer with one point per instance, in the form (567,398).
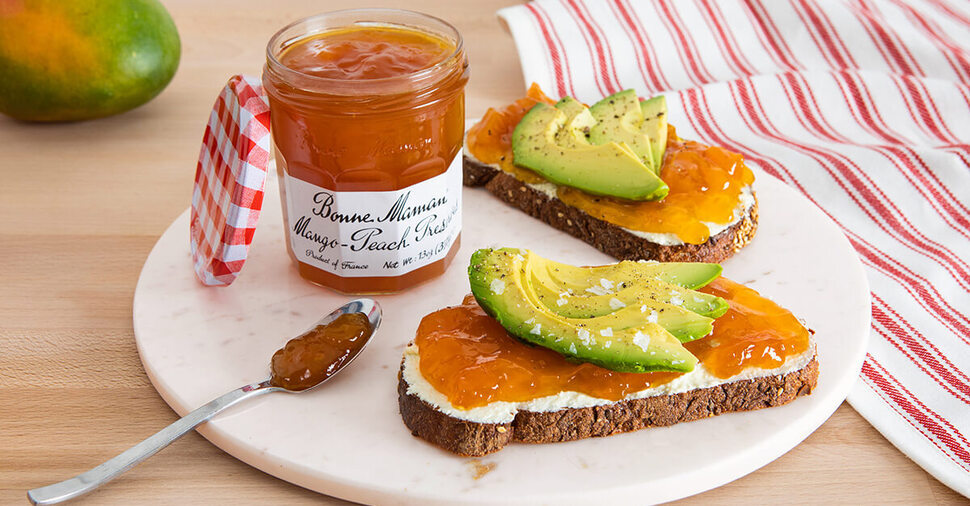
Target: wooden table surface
(81,206)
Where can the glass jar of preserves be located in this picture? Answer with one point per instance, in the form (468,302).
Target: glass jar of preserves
(367,120)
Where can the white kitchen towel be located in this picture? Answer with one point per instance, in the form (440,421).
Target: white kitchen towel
(864,107)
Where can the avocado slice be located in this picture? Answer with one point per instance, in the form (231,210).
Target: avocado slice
(618,119)
(686,314)
(655,126)
(690,275)
(501,281)
(607,169)
(578,123)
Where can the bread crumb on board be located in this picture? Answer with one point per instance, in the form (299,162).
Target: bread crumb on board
(480,469)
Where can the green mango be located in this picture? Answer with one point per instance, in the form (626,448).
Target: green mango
(69,60)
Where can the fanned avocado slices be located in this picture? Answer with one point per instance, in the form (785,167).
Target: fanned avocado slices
(618,119)
(642,125)
(634,322)
(614,148)
(686,314)
(541,142)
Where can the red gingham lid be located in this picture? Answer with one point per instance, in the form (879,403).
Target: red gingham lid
(229,180)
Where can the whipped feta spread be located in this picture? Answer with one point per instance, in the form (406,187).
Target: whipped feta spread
(745,201)
(504,412)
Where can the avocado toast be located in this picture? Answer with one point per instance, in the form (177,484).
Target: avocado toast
(615,175)
(548,352)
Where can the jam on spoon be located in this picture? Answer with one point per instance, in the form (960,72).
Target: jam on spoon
(307,360)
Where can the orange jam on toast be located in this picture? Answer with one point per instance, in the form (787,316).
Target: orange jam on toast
(467,355)
(705,181)
(754,332)
(490,140)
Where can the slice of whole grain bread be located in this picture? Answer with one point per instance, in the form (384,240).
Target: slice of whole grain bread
(607,237)
(474,439)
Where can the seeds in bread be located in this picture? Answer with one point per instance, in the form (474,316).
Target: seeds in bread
(474,439)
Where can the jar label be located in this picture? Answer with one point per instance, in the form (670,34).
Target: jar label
(365,234)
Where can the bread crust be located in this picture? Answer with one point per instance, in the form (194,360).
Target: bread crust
(607,237)
(476,439)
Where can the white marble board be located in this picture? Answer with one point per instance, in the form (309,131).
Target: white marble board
(347,439)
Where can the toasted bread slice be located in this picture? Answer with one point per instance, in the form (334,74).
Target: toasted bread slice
(571,416)
(619,242)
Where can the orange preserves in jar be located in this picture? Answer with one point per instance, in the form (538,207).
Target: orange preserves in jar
(705,181)
(367,116)
(467,355)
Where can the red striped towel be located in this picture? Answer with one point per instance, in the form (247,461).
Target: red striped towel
(863,106)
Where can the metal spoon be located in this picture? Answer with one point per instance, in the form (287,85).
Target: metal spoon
(86,482)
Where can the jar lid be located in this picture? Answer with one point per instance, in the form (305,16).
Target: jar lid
(229,179)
